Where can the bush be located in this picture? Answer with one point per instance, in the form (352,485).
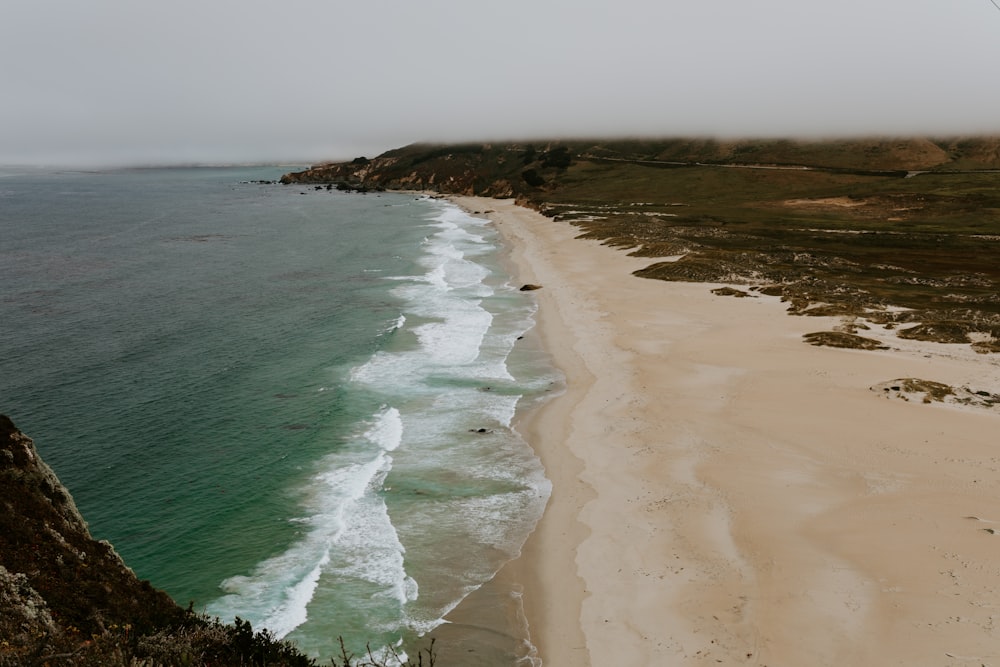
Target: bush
(532,178)
(557,157)
(200,643)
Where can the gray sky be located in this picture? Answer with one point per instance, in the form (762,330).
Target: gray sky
(135,81)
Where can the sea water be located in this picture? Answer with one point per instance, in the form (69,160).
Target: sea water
(280,403)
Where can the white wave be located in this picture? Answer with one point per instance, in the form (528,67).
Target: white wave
(349,532)
(396,324)
(436,277)
(502,409)
(466,320)
(387,432)
(458,339)
(292,612)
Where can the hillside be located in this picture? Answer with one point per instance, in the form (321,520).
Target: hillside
(531,168)
(900,232)
(68,599)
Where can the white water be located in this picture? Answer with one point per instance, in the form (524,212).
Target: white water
(437,469)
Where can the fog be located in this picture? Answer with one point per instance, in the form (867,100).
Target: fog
(224,81)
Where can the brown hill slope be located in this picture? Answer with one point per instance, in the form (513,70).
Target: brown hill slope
(68,599)
(45,546)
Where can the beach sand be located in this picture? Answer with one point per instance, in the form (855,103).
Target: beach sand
(724,493)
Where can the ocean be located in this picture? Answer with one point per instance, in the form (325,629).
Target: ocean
(280,403)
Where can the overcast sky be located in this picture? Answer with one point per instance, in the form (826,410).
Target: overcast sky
(135,81)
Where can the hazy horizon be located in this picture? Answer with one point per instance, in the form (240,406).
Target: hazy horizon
(113,84)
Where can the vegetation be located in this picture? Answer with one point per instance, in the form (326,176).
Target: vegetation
(904,232)
(199,643)
(929,391)
(532,178)
(843,339)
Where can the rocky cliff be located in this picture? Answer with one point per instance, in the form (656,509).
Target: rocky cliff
(487,170)
(67,599)
(55,579)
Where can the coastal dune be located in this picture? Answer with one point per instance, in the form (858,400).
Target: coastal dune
(725,494)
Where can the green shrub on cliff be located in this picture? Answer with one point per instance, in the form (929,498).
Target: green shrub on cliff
(199,643)
(532,178)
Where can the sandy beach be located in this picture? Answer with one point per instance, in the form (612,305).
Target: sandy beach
(724,493)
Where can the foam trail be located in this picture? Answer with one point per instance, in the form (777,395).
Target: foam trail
(395,325)
(483,492)
(443,366)
(292,613)
(346,514)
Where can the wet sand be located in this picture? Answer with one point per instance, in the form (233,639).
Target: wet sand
(724,493)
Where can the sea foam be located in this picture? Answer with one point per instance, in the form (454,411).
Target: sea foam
(436,467)
(346,516)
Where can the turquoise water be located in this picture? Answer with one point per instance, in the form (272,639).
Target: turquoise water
(279,403)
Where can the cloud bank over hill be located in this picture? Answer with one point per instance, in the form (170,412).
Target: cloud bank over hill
(113,83)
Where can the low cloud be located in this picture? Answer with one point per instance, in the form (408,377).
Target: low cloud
(107,83)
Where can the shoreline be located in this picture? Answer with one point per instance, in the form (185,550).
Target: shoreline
(723,491)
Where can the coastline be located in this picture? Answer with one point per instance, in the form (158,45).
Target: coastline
(723,492)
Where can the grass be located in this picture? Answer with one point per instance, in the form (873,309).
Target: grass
(928,243)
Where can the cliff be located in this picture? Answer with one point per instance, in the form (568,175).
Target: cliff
(54,577)
(488,170)
(68,599)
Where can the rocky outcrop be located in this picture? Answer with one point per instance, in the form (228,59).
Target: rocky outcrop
(55,579)
(483,170)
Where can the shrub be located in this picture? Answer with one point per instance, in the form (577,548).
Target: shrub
(557,157)
(532,178)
